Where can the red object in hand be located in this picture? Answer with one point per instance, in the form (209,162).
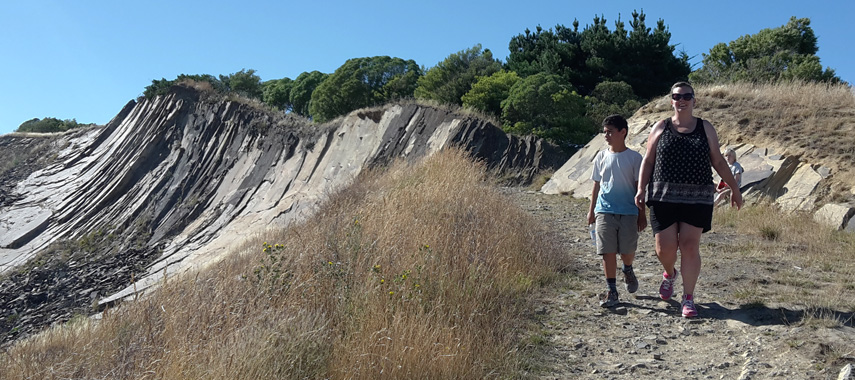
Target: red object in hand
(721,185)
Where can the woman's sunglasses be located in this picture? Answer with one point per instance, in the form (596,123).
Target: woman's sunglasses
(686,96)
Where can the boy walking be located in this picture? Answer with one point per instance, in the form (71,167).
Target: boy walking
(618,220)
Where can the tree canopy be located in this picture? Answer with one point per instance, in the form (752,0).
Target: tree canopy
(609,98)
(161,86)
(642,57)
(450,79)
(488,92)
(243,82)
(787,52)
(301,91)
(547,106)
(49,124)
(362,82)
(277,93)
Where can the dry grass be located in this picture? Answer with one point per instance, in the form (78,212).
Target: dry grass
(415,272)
(813,266)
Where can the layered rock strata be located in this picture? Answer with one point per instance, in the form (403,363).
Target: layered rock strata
(183,178)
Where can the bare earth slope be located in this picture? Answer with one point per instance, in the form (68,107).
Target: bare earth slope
(646,338)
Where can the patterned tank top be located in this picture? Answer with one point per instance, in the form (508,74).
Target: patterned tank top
(682,172)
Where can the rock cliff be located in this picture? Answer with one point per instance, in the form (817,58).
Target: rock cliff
(175,182)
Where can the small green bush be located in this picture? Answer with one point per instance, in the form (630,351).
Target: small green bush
(49,124)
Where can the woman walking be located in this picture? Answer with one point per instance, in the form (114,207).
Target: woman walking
(676,183)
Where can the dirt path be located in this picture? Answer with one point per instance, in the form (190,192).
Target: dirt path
(647,338)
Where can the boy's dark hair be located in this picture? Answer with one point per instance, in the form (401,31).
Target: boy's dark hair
(616,121)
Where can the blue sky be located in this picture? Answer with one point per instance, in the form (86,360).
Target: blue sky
(85,59)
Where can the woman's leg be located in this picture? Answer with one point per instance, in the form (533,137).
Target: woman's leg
(689,240)
(666,248)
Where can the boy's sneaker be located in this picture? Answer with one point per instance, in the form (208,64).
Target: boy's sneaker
(666,289)
(610,299)
(630,280)
(689,310)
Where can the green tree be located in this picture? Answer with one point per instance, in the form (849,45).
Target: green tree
(609,98)
(244,83)
(641,56)
(450,79)
(488,92)
(362,82)
(162,86)
(277,93)
(302,89)
(784,53)
(49,125)
(545,105)
(157,87)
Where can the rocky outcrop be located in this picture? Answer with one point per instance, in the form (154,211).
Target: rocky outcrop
(792,184)
(181,179)
(835,215)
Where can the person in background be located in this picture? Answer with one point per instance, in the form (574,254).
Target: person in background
(618,220)
(676,183)
(722,190)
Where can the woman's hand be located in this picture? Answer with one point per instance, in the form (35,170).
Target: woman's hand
(736,199)
(639,198)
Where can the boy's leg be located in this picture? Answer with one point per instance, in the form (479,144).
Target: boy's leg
(627,244)
(607,248)
(629,279)
(610,265)
(609,268)
(608,242)
(627,259)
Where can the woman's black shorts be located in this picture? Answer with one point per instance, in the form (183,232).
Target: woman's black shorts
(663,215)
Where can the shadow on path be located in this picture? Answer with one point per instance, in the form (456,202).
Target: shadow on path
(751,315)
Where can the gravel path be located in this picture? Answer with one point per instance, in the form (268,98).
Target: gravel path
(647,338)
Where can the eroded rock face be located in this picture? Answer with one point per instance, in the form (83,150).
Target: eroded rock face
(180,179)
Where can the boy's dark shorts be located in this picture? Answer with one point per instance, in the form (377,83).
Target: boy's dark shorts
(663,215)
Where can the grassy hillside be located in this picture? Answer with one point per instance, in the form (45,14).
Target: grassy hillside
(425,271)
(410,272)
(812,121)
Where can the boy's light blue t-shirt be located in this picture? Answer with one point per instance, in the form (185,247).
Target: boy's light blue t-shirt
(617,174)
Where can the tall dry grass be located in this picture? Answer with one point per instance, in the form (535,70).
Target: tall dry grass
(419,271)
(813,263)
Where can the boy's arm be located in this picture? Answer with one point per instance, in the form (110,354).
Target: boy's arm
(594,194)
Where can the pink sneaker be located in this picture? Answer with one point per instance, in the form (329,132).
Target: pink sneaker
(666,289)
(689,310)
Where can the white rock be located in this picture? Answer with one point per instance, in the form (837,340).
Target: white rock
(836,215)
(845,373)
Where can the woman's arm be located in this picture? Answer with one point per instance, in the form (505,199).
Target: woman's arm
(647,163)
(720,165)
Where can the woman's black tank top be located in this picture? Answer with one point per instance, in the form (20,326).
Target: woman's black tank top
(682,172)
